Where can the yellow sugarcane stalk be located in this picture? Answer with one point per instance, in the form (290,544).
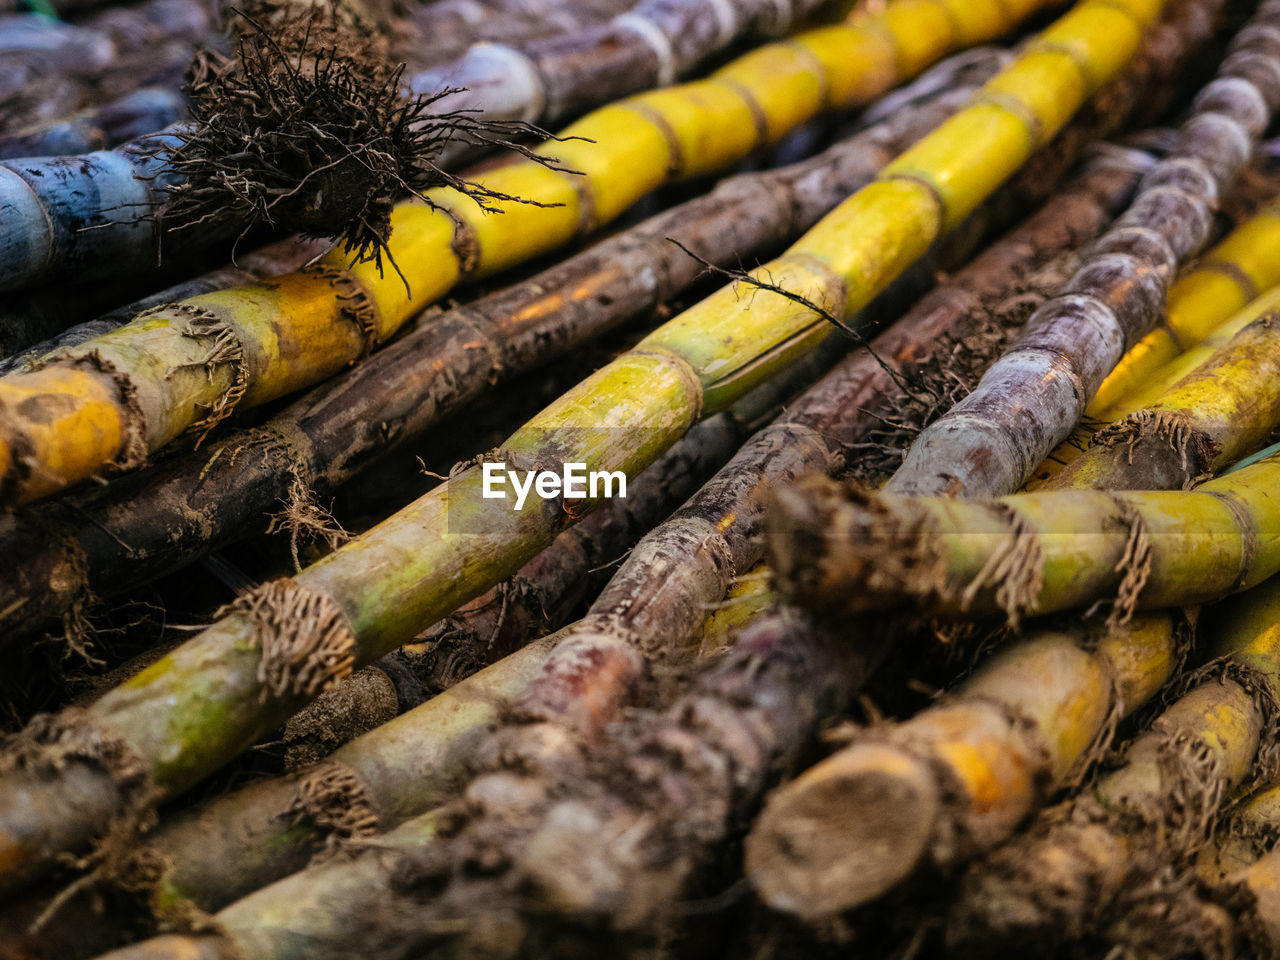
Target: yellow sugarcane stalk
(1028,553)
(1154,809)
(958,778)
(1208,295)
(1182,366)
(110,402)
(196,708)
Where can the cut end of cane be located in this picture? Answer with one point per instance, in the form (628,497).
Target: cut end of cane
(843,834)
(834,546)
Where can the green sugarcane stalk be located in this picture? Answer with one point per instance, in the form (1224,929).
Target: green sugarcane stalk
(407,766)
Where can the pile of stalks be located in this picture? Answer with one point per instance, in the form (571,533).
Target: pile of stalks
(929,350)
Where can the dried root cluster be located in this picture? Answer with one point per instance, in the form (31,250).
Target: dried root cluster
(309,127)
(940,617)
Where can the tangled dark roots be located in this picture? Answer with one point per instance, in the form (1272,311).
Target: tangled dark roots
(308,130)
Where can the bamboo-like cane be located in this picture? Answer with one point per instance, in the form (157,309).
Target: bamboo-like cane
(34,45)
(93,54)
(1225,408)
(199,706)
(1029,401)
(89,215)
(30,323)
(1085,858)
(1208,294)
(1215,288)
(1223,904)
(187,366)
(57,97)
(1030,553)
(1240,877)
(173,515)
(654,42)
(958,778)
(1163,378)
(441,31)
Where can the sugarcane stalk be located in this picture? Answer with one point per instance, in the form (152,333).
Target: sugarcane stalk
(213,696)
(1029,401)
(751,711)
(1206,296)
(1240,884)
(32,46)
(88,215)
(208,355)
(58,96)
(1163,378)
(959,778)
(1026,554)
(1216,287)
(196,503)
(650,45)
(40,314)
(1222,410)
(24,330)
(222,850)
(1242,838)
(548,589)
(442,31)
(151,43)
(1085,858)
